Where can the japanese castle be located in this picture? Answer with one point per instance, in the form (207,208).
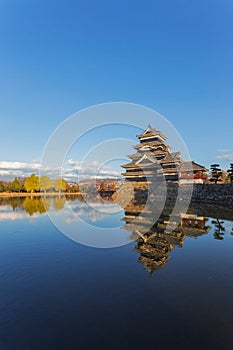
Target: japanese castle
(153,159)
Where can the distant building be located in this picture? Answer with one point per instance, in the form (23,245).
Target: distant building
(154,159)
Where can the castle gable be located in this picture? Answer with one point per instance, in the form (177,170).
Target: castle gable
(146,159)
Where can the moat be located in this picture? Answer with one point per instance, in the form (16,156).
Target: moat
(160,290)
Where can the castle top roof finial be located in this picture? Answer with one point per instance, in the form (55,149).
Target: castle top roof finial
(149,127)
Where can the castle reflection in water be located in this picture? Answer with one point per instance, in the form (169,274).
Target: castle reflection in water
(154,242)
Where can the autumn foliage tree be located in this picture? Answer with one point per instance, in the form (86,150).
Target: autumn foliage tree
(114,186)
(60,185)
(14,186)
(2,186)
(32,183)
(72,188)
(103,186)
(17,185)
(45,183)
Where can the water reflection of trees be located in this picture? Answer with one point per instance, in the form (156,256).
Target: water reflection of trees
(36,205)
(219,229)
(59,203)
(15,202)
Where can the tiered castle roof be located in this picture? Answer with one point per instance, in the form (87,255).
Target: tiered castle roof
(153,158)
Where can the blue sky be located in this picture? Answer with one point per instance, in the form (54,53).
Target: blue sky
(174,56)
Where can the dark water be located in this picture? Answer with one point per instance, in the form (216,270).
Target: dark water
(165,292)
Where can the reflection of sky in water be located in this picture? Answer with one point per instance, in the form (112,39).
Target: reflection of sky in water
(93,224)
(73,211)
(7,213)
(98,214)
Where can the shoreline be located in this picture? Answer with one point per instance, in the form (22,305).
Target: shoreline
(37,194)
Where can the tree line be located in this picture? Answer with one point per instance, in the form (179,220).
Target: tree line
(34,183)
(44,184)
(218,175)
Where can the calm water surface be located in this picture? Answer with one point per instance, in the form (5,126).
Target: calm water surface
(167,292)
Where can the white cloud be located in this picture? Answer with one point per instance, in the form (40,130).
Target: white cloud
(223,150)
(9,170)
(19,166)
(228,157)
(75,171)
(6,172)
(92,169)
(73,162)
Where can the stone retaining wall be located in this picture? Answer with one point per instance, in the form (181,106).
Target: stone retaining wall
(211,194)
(199,193)
(202,193)
(205,193)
